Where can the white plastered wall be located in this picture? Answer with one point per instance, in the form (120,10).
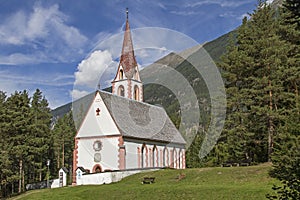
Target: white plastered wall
(98,127)
(133,157)
(109,153)
(95,125)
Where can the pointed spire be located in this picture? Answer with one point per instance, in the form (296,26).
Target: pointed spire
(127,60)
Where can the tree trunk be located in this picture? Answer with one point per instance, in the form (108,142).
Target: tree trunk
(297,97)
(63,154)
(20,175)
(23,179)
(270,125)
(58,158)
(71,174)
(12,188)
(41,169)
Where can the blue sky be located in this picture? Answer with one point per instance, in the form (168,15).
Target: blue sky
(57,45)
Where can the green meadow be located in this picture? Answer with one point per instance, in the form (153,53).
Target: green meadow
(251,182)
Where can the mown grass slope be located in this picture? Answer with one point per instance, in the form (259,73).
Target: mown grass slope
(204,183)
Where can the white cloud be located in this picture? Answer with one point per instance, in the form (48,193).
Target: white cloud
(20,58)
(91,69)
(150,44)
(185,12)
(243,16)
(45,34)
(222,3)
(38,79)
(149,38)
(76,94)
(53,86)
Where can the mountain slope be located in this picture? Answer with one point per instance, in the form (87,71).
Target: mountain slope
(156,95)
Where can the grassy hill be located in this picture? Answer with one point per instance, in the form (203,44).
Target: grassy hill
(203,183)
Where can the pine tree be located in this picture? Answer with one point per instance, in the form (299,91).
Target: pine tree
(25,140)
(5,163)
(286,158)
(18,109)
(236,136)
(63,135)
(286,144)
(39,137)
(192,154)
(257,98)
(292,8)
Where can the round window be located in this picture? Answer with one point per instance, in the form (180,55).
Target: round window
(97,145)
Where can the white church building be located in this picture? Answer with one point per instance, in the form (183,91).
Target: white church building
(118,131)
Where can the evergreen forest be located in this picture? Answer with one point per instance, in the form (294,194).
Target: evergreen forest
(261,72)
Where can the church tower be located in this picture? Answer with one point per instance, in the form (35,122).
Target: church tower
(127,82)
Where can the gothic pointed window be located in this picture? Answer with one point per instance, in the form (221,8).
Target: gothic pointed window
(165,157)
(121,91)
(175,158)
(136,93)
(154,156)
(180,159)
(144,162)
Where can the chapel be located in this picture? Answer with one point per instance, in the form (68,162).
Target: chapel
(118,131)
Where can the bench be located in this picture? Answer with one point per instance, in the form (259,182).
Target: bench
(244,164)
(233,163)
(226,165)
(148,180)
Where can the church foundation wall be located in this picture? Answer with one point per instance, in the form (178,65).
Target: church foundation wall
(107,177)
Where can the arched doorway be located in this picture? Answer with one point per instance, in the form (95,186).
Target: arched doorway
(97,169)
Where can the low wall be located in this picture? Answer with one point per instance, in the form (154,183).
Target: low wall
(106,177)
(55,183)
(39,185)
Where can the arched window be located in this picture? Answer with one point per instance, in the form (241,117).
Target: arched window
(121,74)
(144,162)
(180,159)
(136,93)
(172,158)
(165,157)
(121,91)
(175,158)
(154,156)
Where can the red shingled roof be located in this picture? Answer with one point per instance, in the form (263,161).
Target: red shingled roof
(127,59)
